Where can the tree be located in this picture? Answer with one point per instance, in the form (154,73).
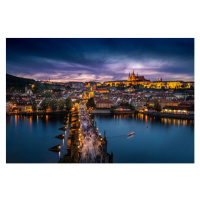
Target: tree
(44,105)
(112,110)
(34,106)
(67,87)
(69,104)
(157,106)
(57,90)
(47,94)
(132,107)
(127,104)
(124,103)
(53,105)
(90,103)
(61,105)
(78,101)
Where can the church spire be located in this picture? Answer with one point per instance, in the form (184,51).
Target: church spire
(133,72)
(137,74)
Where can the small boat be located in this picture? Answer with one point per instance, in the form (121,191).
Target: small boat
(62,128)
(61,136)
(130,134)
(55,148)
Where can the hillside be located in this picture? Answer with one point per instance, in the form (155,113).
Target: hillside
(17,82)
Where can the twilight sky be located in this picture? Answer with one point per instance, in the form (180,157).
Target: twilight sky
(100,59)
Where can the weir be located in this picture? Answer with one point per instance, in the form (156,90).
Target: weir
(85,145)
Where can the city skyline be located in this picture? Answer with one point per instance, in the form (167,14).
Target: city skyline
(105,59)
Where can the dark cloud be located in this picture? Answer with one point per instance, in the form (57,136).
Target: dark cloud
(100,59)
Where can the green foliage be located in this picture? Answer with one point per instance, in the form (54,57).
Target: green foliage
(53,105)
(90,103)
(124,103)
(78,101)
(38,88)
(57,90)
(121,85)
(17,82)
(127,104)
(140,86)
(69,104)
(163,88)
(47,94)
(157,106)
(44,105)
(34,106)
(67,87)
(131,107)
(112,110)
(61,104)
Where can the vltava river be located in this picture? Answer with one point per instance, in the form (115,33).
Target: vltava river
(155,140)
(28,138)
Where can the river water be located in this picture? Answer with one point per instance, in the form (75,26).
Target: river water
(28,139)
(154,141)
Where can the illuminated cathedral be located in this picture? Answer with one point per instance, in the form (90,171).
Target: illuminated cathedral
(136,79)
(140,80)
(132,80)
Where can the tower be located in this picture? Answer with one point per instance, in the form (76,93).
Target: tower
(129,77)
(133,76)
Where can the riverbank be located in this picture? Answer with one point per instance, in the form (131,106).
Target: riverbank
(107,111)
(169,115)
(41,113)
(153,114)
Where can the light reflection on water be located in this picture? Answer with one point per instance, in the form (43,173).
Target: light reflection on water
(156,140)
(30,121)
(146,118)
(28,138)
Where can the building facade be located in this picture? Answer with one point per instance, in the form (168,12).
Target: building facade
(132,80)
(104,103)
(140,80)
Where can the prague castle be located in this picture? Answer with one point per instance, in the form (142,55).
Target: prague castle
(140,80)
(132,80)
